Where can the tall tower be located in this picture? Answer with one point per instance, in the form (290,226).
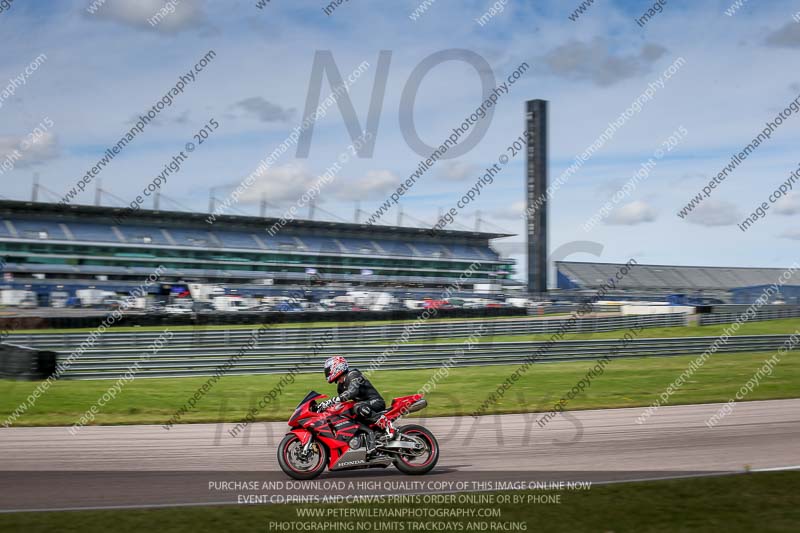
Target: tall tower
(536,205)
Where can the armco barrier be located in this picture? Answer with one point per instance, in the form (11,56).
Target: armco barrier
(765,313)
(177,362)
(431,330)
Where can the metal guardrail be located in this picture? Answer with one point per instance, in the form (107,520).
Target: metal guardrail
(201,338)
(279,349)
(549,309)
(761,314)
(740,308)
(175,362)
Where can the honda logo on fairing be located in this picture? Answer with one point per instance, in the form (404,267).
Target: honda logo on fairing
(351,463)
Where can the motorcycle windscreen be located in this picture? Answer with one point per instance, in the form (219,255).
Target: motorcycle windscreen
(310,396)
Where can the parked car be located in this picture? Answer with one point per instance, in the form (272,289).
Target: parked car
(177,310)
(436,304)
(203,307)
(287,307)
(156,308)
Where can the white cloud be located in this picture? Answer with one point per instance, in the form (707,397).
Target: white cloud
(787,36)
(788,205)
(281,184)
(263,110)
(182,14)
(715,213)
(458,170)
(376,184)
(513,212)
(39,150)
(631,214)
(594,61)
(793,234)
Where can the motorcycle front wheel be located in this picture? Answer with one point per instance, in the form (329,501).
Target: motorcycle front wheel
(295,464)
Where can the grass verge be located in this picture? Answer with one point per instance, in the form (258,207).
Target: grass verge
(625,383)
(782,326)
(768,502)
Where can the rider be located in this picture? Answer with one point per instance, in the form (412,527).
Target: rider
(352,385)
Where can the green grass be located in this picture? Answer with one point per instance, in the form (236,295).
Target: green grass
(625,383)
(767,327)
(765,502)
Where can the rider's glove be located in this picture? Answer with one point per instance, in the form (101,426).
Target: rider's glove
(328,403)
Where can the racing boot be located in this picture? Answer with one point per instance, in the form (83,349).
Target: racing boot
(386,425)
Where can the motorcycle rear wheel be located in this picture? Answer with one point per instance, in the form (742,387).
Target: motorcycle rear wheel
(418,464)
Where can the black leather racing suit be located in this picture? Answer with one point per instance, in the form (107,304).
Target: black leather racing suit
(357,387)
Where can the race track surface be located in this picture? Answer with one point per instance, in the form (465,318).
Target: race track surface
(131,466)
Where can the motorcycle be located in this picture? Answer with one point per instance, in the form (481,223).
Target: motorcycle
(336,439)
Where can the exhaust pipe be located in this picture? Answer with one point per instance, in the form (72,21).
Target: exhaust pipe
(419,405)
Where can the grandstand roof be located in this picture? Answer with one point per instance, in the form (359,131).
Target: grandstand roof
(178,218)
(574,274)
(70,242)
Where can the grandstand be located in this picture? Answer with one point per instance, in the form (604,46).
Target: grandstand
(74,246)
(735,284)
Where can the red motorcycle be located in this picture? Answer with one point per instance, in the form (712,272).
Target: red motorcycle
(336,439)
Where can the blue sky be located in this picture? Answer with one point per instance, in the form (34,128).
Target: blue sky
(103,69)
